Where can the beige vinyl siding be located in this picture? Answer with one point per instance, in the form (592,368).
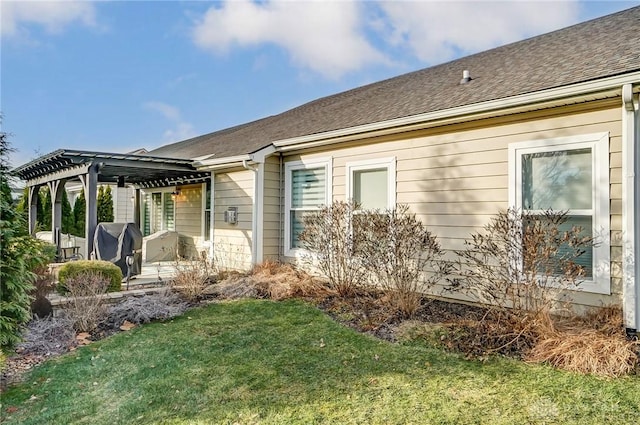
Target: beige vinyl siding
(122,204)
(232,242)
(456,177)
(189,220)
(272,211)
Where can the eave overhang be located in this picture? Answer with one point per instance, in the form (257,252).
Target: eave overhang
(604,88)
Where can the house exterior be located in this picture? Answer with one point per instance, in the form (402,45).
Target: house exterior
(548,122)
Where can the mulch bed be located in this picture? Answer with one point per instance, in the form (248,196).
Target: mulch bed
(367,312)
(17,366)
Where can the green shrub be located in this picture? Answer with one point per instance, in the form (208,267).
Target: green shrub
(22,257)
(104,268)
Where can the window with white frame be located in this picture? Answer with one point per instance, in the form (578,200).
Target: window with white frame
(372,183)
(308,187)
(158,212)
(568,174)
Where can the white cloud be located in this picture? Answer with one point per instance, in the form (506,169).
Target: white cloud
(169,112)
(181,129)
(54,16)
(336,37)
(439,31)
(325,37)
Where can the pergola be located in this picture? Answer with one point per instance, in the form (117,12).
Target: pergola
(92,169)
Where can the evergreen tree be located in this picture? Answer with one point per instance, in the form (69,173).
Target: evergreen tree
(109,202)
(19,255)
(68,222)
(105,205)
(40,212)
(100,200)
(79,211)
(46,209)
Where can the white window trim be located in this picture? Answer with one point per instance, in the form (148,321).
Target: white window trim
(325,162)
(372,164)
(203,188)
(600,283)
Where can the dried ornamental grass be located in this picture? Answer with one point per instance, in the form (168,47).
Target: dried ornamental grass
(607,319)
(235,286)
(272,280)
(587,351)
(279,281)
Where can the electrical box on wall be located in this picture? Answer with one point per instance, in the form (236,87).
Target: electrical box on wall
(231,215)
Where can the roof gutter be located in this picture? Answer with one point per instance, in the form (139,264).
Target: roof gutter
(217,163)
(603,88)
(630,208)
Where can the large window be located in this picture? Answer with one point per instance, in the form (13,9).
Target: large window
(372,183)
(308,186)
(568,174)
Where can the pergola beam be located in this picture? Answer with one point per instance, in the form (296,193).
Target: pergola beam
(63,174)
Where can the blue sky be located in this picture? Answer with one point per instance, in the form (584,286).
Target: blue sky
(120,75)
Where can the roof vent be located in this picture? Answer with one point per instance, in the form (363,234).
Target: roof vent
(465,77)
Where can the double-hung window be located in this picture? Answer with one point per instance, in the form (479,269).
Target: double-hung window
(568,174)
(372,183)
(308,187)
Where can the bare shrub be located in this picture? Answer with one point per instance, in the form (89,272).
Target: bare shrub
(53,335)
(138,310)
(192,277)
(521,260)
(85,300)
(329,237)
(401,255)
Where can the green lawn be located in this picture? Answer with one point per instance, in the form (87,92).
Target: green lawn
(264,362)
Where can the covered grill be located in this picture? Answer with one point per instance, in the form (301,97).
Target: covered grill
(121,244)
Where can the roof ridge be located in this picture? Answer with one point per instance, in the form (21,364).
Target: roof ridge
(585,51)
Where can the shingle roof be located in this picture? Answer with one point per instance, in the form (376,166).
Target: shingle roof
(599,48)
